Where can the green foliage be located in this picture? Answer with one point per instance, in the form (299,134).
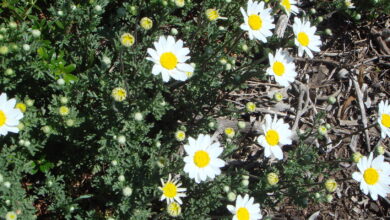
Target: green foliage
(67,166)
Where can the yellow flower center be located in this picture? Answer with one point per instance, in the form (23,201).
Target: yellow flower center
(303,39)
(201,158)
(286,4)
(127,39)
(21,106)
(278,68)
(272,137)
(64,110)
(371,176)
(243,214)
(255,22)
(168,60)
(170,190)
(3,118)
(212,14)
(385,120)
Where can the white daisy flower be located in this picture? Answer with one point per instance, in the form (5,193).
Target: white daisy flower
(305,39)
(202,160)
(276,134)
(171,191)
(374,176)
(169,59)
(384,118)
(9,115)
(258,21)
(245,209)
(282,67)
(289,6)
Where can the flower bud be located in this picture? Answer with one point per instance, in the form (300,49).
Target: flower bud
(180,135)
(46,129)
(329,198)
(98,8)
(26,47)
(250,106)
(226,189)
(241,124)
(231,196)
(278,96)
(331,185)
(127,191)
(114,162)
(245,47)
(27,143)
(138,116)
(121,139)
(320,19)
(12,25)
(4,50)
(36,33)
(69,122)
(228,66)
(322,130)
(272,179)
(328,32)
(121,178)
(7,184)
(358,17)
(174,31)
(380,150)
(174,209)
(9,72)
(61,82)
(223,61)
(106,60)
(245,183)
(64,110)
(229,132)
(180,3)
(146,23)
(356,156)
(317,195)
(211,124)
(60,13)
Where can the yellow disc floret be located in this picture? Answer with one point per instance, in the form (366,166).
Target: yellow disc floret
(371,176)
(170,190)
(303,39)
(201,158)
(278,68)
(3,118)
(272,137)
(286,4)
(127,39)
(168,60)
(385,120)
(243,214)
(255,22)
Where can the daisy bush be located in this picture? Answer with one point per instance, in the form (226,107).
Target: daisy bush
(108,108)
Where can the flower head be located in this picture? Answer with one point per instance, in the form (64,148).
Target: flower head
(212,14)
(384,118)
(171,191)
(250,106)
(356,157)
(202,158)
(11,216)
(174,209)
(119,94)
(180,135)
(289,6)
(245,209)
(63,110)
(276,134)
(229,132)
(180,3)
(373,176)
(272,178)
(331,185)
(257,21)
(282,67)
(305,39)
(9,115)
(146,23)
(169,59)
(127,39)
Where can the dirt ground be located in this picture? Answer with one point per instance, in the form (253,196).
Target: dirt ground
(354,67)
